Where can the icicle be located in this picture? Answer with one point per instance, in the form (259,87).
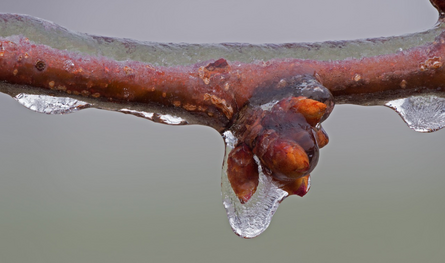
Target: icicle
(49,104)
(252,218)
(421,113)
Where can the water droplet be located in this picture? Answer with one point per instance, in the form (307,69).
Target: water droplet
(142,114)
(49,104)
(230,139)
(421,113)
(252,218)
(169,119)
(156,117)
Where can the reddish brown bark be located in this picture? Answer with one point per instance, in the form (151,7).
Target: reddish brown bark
(218,88)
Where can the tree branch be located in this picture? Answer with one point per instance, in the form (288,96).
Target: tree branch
(268,101)
(214,82)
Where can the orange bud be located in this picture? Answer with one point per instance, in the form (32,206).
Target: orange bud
(289,102)
(312,110)
(299,186)
(322,138)
(285,158)
(242,172)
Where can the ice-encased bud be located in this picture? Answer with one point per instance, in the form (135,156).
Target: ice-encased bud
(299,186)
(312,110)
(309,87)
(242,172)
(424,113)
(281,131)
(285,158)
(322,137)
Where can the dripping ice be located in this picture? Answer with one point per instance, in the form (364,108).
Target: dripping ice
(421,113)
(49,104)
(252,218)
(64,105)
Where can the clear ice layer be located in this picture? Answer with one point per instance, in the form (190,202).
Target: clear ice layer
(142,114)
(63,105)
(422,113)
(252,218)
(156,117)
(173,54)
(49,104)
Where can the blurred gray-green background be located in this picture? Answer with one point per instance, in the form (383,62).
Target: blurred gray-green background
(99,186)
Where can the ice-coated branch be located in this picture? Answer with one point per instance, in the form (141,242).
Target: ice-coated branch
(268,101)
(214,81)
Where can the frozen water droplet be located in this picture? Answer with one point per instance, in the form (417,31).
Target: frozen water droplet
(421,113)
(252,218)
(230,139)
(142,114)
(156,117)
(169,119)
(49,104)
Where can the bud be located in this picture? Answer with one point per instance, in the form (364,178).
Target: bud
(299,186)
(242,172)
(312,110)
(322,138)
(285,158)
